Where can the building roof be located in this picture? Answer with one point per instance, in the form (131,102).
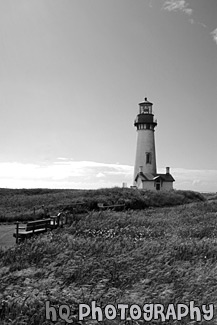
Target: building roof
(151,177)
(144,176)
(146,102)
(165,177)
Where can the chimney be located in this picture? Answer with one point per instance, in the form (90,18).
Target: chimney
(167,170)
(140,169)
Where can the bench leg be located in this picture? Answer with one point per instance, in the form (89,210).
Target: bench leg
(17,231)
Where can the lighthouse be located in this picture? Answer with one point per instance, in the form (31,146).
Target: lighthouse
(145,169)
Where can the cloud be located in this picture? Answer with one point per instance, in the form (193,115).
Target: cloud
(183,6)
(61,158)
(202,24)
(214,35)
(100,175)
(65,173)
(194,179)
(177,5)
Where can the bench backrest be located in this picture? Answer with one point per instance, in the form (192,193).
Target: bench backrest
(38,224)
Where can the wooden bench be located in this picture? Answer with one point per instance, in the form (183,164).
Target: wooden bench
(114,207)
(34,228)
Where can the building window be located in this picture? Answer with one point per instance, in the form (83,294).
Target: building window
(148,158)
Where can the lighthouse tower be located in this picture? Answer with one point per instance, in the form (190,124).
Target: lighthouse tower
(145,170)
(145,150)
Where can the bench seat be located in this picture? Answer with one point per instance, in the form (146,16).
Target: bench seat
(34,228)
(101,206)
(30,232)
(38,226)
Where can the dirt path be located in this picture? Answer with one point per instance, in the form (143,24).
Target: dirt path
(6,236)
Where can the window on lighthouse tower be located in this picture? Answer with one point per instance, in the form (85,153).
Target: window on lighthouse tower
(146,109)
(148,158)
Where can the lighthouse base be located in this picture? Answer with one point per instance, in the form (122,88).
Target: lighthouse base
(158,182)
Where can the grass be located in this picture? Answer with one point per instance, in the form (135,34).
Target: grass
(19,205)
(164,254)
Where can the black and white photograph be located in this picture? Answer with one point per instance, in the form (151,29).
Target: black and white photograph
(108,162)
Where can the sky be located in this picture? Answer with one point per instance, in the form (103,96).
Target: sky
(72,73)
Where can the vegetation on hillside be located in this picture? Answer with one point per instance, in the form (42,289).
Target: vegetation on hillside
(21,204)
(164,255)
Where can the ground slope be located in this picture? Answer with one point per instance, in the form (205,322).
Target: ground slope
(159,255)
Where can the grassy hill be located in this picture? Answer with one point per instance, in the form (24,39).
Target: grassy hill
(162,254)
(20,204)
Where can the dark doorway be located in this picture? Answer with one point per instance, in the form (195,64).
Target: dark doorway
(158,186)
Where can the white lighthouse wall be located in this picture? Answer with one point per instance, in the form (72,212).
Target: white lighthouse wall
(145,143)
